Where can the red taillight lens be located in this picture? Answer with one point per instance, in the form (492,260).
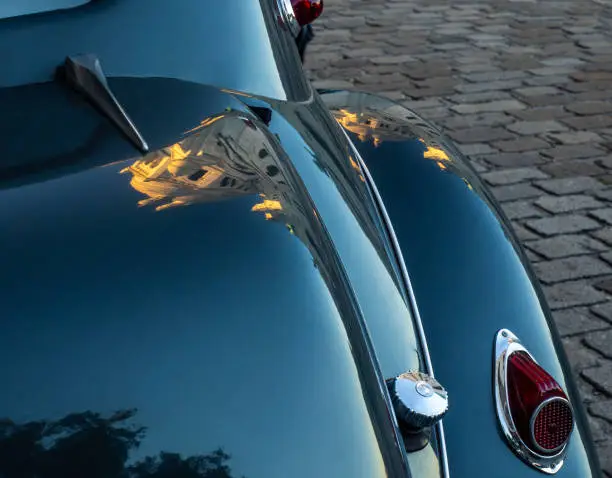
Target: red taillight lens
(307,11)
(539,407)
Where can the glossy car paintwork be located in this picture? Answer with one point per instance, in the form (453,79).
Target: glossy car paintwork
(325,162)
(469,276)
(235,44)
(199,309)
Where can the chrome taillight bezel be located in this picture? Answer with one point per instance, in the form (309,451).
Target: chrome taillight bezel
(288,16)
(506,343)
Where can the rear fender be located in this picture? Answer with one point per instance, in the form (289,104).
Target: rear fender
(469,275)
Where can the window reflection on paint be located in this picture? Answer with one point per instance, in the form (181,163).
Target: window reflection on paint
(379,120)
(225,156)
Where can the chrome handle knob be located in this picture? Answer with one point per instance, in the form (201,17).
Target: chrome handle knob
(418,399)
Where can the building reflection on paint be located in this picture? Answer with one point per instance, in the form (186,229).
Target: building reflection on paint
(225,157)
(376,119)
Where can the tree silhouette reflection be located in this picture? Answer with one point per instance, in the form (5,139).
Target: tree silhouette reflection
(89,445)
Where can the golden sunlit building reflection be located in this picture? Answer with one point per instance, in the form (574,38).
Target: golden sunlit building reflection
(224,157)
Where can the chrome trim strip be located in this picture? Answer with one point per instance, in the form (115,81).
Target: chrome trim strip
(506,343)
(535,415)
(410,292)
(286,10)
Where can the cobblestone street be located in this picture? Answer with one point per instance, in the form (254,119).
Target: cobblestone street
(524,87)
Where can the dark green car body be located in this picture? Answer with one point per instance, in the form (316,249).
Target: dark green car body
(230,303)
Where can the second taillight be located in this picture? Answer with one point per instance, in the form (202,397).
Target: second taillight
(538,405)
(307,11)
(534,412)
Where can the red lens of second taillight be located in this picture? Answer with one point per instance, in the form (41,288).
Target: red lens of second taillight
(539,407)
(552,425)
(307,11)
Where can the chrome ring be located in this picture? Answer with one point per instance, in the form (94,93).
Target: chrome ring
(532,425)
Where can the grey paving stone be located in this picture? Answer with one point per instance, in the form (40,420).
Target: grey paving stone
(393,59)
(604,284)
(533,257)
(433,83)
(567,224)
(536,127)
(561,61)
(587,392)
(588,122)
(434,113)
(537,90)
(572,294)
(600,429)
(521,144)
(424,71)
(604,194)
(592,75)
(604,234)
(521,210)
(552,70)
(495,76)
(515,191)
(488,86)
(546,80)
(523,234)
(570,203)
(571,268)
(481,134)
(511,176)
(475,149)
(489,107)
(600,342)
(418,93)
(569,185)
(573,168)
(583,356)
(482,119)
(603,310)
(345,22)
(604,215)
(514,159)
(600,378)
(566,245)
(592,95)
(576,151)
(578,321)
(481,66)
(575,137)
(604,449)
(360,52)
(590,107)
(480,97)
(602,409)
(423,104)
(546,100)
(541,114)
(607,161)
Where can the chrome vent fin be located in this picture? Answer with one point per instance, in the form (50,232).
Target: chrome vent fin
(84,74)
